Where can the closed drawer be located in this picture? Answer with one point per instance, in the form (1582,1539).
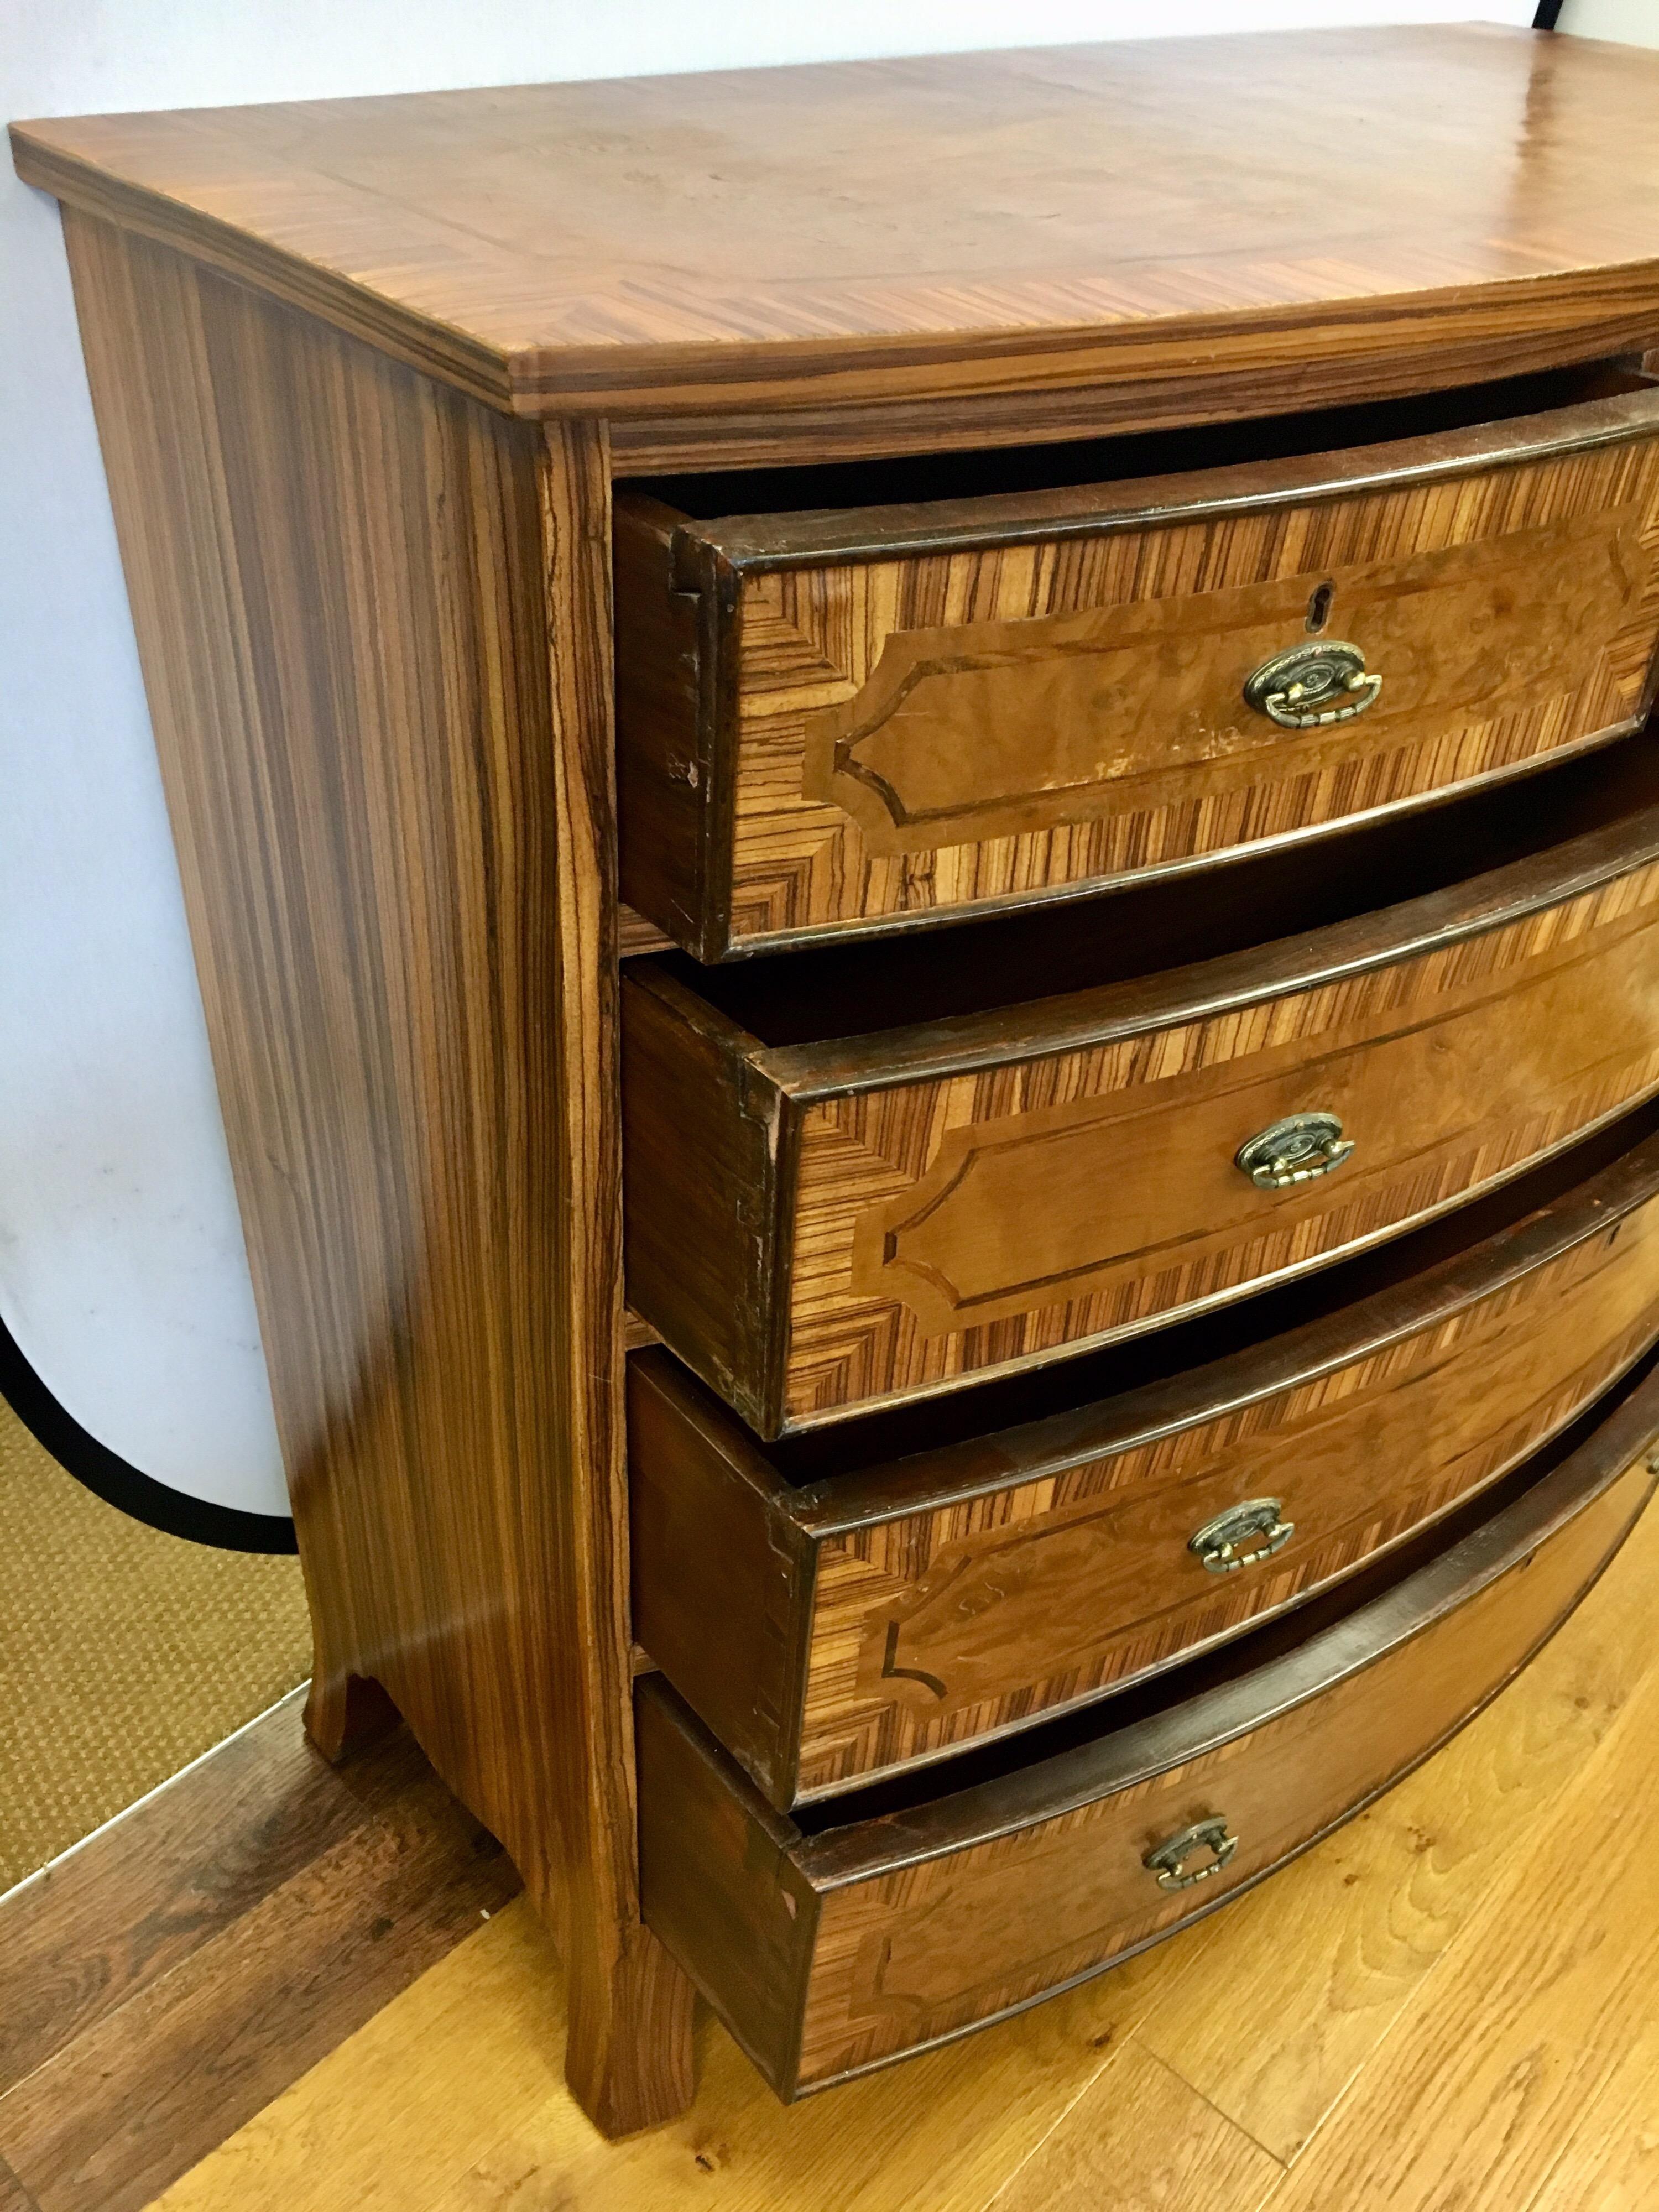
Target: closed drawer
(832,1628)
(824,1225)
(831,1950)
(855,716)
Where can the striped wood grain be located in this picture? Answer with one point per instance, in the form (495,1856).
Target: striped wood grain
(375,623)
(1016,1601)
(1070,713)
(1451,1070)
(842,1948)
(934,251)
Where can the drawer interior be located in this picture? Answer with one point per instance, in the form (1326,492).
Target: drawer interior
(925,478)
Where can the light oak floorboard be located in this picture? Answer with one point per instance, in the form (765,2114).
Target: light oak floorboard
(453,2100)
(1610,2162)
(1139,2139)
(1406,1986)
(1529,2018)
(1319,1963)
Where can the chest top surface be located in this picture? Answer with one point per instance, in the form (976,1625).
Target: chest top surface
(899,229)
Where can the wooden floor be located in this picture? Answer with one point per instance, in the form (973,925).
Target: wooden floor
(1452,2006)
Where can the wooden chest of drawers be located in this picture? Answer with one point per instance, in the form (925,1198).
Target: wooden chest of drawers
(1115,686)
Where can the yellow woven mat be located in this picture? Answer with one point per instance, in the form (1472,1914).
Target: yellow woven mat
(123,1653)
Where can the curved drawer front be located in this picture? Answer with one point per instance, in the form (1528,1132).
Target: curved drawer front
(904,712)
(830,1953)
(832,1633)
(945,1201)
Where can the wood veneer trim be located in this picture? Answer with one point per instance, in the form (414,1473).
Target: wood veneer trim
(866,1850)
(1002,1036)
(641,390)
(449,355)
(806,537)
(1419,1755)
(930,1481)
(714,442)
(721,317)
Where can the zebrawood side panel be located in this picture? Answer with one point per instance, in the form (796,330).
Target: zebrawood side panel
(832,1952)
(375,621)
(902,737)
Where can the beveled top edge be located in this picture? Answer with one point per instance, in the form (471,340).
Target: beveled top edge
(922,227)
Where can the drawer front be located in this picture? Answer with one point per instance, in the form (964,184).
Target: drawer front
(830,1953)
(933,1227)
(887,738)
(960,1224)
(833,1632)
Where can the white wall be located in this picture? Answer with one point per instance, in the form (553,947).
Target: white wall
(1635,22)
(122,1270)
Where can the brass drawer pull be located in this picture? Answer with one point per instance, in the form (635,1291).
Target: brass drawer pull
(1297,688)
(1216,1543)
(1167,1861)
(1295,1149)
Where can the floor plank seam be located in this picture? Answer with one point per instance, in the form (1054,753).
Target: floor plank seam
(1113,2044)
(1228,2120)
(13,2196)
(42,1875)
(1476,1933)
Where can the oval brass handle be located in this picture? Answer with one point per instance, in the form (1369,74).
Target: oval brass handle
(1168,1860)
(1216,1543)
(1308,687)
(1295,1149)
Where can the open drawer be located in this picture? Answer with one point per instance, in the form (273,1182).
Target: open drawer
(866,1176)
(869,1598)
(1032,674)
(828,1949)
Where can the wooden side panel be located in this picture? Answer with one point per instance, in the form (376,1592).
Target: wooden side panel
(932,1629)
(724,1894)
(922,1952)
(661,781)
(394,827)
(914,735)
(948,1228)
(722,1576)
(700,1175)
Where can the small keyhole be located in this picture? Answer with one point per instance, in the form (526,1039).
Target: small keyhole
(1319,608)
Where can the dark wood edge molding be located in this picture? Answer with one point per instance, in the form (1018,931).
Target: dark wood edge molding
(936,1480)
(1078,1021)
(1121,1759)
(781,1864)
(1252,1882)
(793,538)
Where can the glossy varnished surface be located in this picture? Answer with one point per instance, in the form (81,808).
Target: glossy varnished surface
(374,623)
(1460,2008)
(891,714)
(829,1629)
(823,1225)
(833,1951)
(996,230)
(187,1963)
